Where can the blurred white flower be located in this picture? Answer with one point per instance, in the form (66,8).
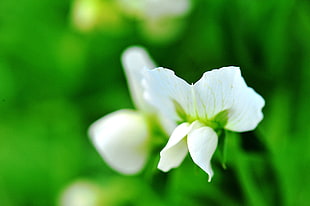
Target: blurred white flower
(81,193)
(159,21)
(122,138)
(219,100)
(155,9)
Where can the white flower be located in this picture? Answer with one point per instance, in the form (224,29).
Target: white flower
(219,100)
(155,9)
(81,193)
(159,21)
(122,137)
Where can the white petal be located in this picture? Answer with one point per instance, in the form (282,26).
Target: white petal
(135,60)
(214,91)
(121,138)
(246,111)
(168,93)
(176,149)
(225,89)
(202,143)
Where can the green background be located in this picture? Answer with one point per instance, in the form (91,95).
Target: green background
(55,80)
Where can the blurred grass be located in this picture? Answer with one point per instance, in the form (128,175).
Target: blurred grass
(55,81)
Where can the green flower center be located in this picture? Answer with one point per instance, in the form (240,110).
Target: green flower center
(216,122)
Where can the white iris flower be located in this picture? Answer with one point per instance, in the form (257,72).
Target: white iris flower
(122,138)
(219,100)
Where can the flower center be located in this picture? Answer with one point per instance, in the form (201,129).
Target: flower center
(216,122)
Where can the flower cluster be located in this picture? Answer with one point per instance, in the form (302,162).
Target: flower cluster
(193,114)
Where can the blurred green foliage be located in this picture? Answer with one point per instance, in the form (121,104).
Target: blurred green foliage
(55,80)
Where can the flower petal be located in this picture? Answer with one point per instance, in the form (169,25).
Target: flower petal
(225,89)
(169,94)
(122,138)
(246,111)
(202,143)
(176,149)
(135,60)
(214,91)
